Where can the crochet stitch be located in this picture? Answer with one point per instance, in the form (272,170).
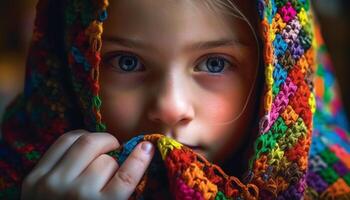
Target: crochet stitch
(302,149)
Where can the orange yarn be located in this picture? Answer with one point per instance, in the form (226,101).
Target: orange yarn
(195,178)
(94,31)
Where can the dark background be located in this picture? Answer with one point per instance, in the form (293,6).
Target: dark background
(16,25)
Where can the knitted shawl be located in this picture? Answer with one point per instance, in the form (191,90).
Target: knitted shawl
(302,148)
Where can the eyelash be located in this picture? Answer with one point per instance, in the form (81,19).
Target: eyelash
(108,59)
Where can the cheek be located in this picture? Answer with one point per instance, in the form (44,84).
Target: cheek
(214,112)
(218,110)
(221,119)
(221,107)
(121,110)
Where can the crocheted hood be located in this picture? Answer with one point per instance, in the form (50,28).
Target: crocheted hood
(62,93)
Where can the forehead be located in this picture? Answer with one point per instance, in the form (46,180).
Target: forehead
(164,20)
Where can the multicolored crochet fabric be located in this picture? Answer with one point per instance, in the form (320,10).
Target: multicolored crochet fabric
(302,149)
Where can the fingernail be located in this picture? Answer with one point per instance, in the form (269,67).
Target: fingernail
(146,147)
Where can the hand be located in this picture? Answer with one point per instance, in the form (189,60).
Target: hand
(76,167)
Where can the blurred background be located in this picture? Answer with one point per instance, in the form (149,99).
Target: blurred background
(17,23)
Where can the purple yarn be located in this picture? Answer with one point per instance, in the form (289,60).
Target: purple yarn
(261,7)
(340,168)
(296,50)
(266,195)
(316,182)
(293,192)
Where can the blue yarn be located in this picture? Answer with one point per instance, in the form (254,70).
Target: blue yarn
(279,74)
(80,59)
(280,45)
(128,147)
(317,146)
(102,16)
(271,12)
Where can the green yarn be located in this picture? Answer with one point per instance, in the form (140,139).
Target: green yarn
(279,128)
(328,95)
(329,175)
(281,3)
(320,71)
(329,157)
(97,101)
(275,90)
(113,153)
(101,127)
(32,155)
(264,143)
(221,196)
(347,178)
(297,4)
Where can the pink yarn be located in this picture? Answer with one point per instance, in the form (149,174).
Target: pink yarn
(341,132)
(185,192)
(288,12)
(339,151)
(288,88)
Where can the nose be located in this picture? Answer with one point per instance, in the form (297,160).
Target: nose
(171,104)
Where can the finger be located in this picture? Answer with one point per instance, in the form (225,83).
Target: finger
(54,153)
(124,182)
(50,158)
(97,174)
(82,153)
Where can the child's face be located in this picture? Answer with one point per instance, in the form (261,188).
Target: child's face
(162,83)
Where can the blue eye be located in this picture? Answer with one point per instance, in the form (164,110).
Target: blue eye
(125,63)
(128,63)
(215,65)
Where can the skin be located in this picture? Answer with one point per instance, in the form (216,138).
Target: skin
(171,91)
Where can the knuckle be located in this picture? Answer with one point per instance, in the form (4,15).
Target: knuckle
(87,140)
(126,177)
(32,177)
(115,140)
(111,138)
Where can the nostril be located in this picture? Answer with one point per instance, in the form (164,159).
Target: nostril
(184,121)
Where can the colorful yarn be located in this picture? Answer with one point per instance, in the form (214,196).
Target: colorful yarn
(302,149)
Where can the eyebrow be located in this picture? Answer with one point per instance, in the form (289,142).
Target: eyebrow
(201,45)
